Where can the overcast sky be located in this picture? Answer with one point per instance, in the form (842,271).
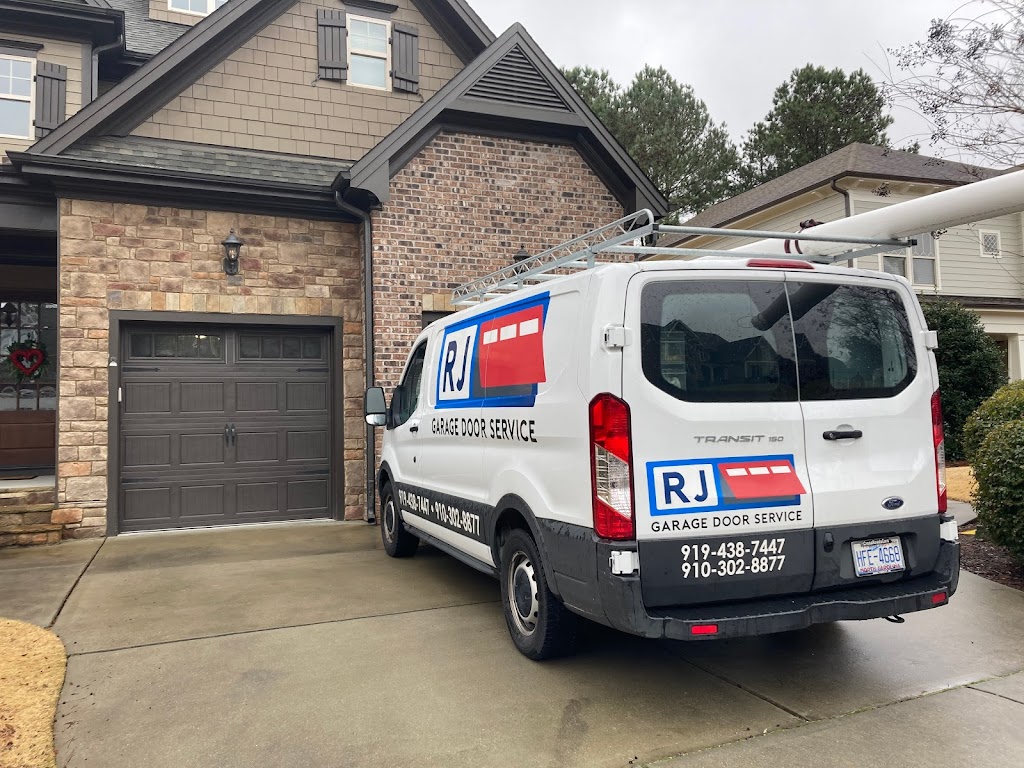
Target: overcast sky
(733,52)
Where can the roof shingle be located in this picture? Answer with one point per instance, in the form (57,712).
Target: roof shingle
(852,160)
(143,34)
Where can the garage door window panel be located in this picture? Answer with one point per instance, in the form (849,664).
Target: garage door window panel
(185,346)
(284,348)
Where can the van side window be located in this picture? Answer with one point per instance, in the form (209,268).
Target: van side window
(852,341)
(718,341)
(412,383)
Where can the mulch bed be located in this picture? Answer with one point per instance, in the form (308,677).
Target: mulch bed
(989,560)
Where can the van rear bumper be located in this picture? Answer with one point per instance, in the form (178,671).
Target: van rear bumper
(623,608)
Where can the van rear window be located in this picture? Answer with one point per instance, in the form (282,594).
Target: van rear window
(759,341)
(700,341)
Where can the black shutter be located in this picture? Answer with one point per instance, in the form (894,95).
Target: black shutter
(332,45)
(51,96)
(405,58)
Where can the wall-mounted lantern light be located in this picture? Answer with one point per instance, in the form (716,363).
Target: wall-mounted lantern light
(521,255)
(9,313)
(232,248)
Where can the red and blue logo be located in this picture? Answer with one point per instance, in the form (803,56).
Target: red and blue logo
(711,485)
(494,359)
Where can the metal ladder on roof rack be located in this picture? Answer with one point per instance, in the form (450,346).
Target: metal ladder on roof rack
(621,237)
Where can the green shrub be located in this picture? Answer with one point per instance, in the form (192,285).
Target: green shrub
(970,366)
(1007,404)
(999,500)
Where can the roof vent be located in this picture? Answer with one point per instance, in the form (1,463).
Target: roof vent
(516,80)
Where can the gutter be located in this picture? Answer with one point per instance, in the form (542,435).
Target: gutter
(370,450)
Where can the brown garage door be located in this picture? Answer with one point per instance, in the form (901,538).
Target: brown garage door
(223,425)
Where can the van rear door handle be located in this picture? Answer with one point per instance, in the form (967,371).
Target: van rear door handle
(849,434)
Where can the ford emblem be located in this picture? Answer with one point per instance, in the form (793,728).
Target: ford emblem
(893,502)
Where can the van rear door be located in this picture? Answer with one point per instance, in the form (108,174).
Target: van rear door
(866,391)
(721,489)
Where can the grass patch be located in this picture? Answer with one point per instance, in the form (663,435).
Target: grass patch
(32,664)
(960,483)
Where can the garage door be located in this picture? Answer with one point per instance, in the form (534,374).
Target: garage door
(223,425)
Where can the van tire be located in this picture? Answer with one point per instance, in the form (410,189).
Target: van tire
(540,626)
(398,542)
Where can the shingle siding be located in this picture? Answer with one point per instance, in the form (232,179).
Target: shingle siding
(266,96)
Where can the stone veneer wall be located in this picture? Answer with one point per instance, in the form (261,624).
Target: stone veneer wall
(461,209)
(133,257)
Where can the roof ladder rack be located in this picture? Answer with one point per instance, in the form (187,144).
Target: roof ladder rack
(622,236)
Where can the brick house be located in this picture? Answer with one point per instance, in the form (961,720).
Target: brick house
(369,156)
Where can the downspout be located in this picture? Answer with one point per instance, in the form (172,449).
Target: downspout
(846,198)
(94,86)
(370,449)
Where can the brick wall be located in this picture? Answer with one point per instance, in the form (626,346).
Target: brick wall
(266,94)
(134,257)
(461,209)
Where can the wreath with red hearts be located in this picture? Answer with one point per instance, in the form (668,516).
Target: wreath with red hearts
(27,359)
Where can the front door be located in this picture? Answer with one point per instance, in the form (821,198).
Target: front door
(223,425)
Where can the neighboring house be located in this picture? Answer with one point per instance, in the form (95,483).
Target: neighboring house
(368,155)
(980,265)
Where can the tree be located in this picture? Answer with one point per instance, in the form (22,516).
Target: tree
(668,131)
(967,78)
(970,366)
(815,112)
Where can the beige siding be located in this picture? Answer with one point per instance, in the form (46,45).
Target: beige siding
(963,271)
(265,95)
(56,52)
(784,218)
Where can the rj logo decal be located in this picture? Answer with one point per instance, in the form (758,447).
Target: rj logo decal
(705,485)
(495,359)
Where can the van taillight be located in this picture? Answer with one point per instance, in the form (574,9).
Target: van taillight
(939,440)
(611,468)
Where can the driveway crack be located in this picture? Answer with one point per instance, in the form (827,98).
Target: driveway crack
(75,585)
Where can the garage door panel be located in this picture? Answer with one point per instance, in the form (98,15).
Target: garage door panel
(144,397)
(307,445)
(202,397)
(203,501)
(256,396)
(183,390)
(147,505)
(202,449)
(146,451)
(258,498)
(308,496)
(306,396)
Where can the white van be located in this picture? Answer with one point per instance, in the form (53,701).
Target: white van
(682,449)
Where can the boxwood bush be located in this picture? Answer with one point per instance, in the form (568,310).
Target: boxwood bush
(1007,404)
(999,500)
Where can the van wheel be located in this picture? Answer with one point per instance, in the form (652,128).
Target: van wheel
(398,542)
(541,627)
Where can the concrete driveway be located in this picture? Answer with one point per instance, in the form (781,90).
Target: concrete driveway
(305,645)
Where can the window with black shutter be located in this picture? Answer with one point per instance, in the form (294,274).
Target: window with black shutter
(405,55)
(332,45)
(51,96)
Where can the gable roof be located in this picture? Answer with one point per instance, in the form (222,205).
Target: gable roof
(512,87)
(864,160)
(203,46)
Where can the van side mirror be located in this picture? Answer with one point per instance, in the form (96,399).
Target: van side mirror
(374,407)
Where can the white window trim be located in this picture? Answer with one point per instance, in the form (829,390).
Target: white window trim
(999,243)
(198,14)
(370,54)
(908,256)
(31,99)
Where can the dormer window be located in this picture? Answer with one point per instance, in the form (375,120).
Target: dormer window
(197,7)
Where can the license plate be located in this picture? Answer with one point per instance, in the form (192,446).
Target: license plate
(874,557)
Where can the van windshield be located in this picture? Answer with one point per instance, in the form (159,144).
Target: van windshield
(758,341)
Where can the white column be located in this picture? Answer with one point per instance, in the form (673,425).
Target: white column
(1016,356)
